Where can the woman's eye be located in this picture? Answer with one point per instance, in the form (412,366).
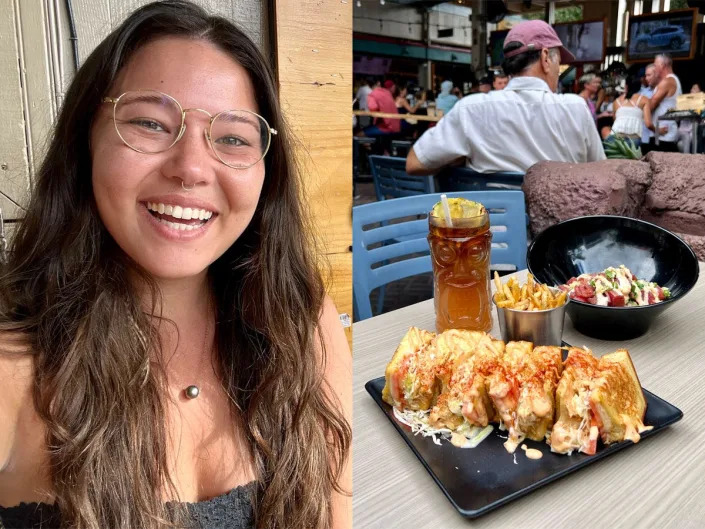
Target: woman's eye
(231,141)
(149,124)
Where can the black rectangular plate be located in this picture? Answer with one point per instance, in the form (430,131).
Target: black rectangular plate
(481,479)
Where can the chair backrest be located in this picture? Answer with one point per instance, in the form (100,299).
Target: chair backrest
(401,147)
(465,179)
(391,179)
(358,141)
(405,238)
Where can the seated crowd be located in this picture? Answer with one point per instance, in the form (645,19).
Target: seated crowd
(518,119)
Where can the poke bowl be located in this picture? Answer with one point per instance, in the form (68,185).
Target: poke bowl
(592,244)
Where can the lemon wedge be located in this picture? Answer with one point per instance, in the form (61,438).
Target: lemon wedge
(460,208)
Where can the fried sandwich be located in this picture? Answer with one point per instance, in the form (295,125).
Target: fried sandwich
(464,395)
(410,380)
(597,398)
(522,387)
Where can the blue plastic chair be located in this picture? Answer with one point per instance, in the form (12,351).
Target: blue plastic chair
(406,237)
(391,180)
(465,179)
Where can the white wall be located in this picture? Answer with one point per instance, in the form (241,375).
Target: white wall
(393,20)
(389,20)
(36,66)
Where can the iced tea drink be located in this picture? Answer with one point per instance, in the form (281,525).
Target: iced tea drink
(461,265)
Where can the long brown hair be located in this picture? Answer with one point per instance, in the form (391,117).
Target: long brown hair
(97,387)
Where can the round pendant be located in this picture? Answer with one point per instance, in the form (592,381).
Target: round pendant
(192,392)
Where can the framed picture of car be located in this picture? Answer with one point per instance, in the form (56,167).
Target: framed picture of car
(671,32)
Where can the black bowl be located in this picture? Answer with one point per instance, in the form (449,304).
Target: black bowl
(591,244)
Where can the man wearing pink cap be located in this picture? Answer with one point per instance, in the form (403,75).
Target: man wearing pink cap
(512,129)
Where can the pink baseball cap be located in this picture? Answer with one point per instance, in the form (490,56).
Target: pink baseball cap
(388,84)
(535,35)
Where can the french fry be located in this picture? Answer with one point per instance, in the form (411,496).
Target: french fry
(516,291)
(530,296)
(508,293)
(560,300)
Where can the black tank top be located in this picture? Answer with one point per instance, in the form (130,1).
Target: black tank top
(232,510)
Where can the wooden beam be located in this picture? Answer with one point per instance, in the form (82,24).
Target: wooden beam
(313,51)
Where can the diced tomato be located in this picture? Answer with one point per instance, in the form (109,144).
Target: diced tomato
(592,300)
(595,417)
(584,291)
(579,298)
(633,277)
(660,295)
(651,298)
(616,299)
(591,447)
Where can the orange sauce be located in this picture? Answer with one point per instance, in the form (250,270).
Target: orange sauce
(461,272)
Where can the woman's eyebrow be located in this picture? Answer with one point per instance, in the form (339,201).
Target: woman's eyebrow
(239,118)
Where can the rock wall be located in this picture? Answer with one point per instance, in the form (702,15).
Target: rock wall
(667,189)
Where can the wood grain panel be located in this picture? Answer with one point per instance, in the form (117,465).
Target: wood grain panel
(13,146)
(313,50)
(96,18)
(93,23)
(40,77)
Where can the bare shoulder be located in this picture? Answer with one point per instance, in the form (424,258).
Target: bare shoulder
(338,357)
(667,84)
(338,375)
(16,373)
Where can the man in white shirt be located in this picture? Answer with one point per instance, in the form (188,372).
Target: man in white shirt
(512,129)
(361,96)
(648,91)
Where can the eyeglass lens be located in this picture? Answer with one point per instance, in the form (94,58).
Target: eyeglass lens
(150,122)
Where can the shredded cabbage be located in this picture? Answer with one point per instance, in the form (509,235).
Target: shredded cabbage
(418,422)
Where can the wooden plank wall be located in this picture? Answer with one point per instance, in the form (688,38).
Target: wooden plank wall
(13,142)
(314,62)
(34,70)
(96,18)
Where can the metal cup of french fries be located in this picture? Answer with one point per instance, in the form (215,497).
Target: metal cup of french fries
(533,312)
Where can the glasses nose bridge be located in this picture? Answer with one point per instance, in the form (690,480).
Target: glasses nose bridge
(183,122)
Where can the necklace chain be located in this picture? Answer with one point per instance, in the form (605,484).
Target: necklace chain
(192,391)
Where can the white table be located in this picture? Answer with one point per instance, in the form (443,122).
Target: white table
(660,482)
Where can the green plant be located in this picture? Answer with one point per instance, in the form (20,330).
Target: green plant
(616,147)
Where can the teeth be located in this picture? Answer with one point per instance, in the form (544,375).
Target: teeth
(178,212)
(180,225)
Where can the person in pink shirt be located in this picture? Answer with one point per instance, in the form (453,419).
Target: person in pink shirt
(381,99)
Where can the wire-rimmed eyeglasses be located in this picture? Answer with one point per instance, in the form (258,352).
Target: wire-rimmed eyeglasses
(150,122)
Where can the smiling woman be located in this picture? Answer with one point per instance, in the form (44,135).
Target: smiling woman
(165,337)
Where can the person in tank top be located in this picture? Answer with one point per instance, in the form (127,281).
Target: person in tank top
(664,99)
(632,112)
